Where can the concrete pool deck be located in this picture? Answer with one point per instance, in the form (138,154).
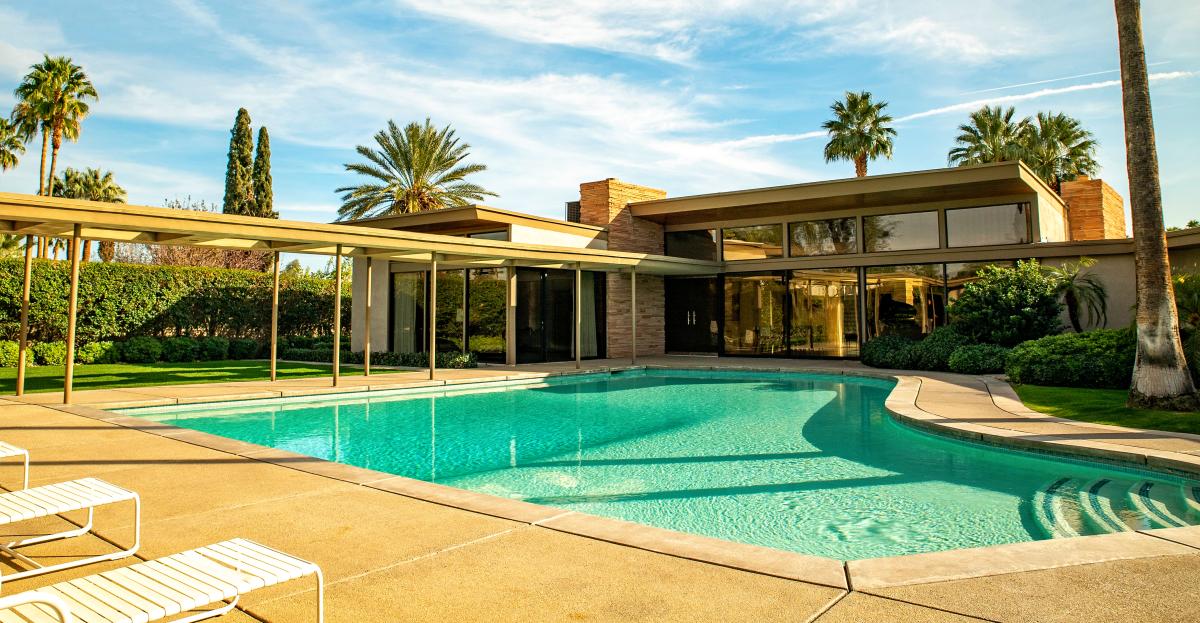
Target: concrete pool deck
(397,549)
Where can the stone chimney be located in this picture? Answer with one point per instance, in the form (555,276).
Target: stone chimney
(606,204)
(1095,210)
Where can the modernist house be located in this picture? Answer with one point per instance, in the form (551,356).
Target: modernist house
(806,270)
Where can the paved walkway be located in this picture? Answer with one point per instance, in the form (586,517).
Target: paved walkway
(390,557)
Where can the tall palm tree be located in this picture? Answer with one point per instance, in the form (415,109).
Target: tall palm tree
(1059,149)
(1160,374)
(990,136)
(59,90)
(418,168)
(1082,293)
(92,185)
(859,131)
(32,111)
(11,144)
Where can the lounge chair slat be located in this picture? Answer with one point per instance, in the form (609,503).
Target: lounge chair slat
(302,567)
(149,609)
(227,585)
(170,600)
(34,613)
(82,605)
(251,560)
(251,572)
(190,596)
(175,580)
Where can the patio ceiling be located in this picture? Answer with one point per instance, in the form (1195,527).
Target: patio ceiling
(56,217)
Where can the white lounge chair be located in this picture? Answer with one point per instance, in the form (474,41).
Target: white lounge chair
(216,575)
(58,499)
(8,451)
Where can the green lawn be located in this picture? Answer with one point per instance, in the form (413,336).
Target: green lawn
(116,376)
(1104,406)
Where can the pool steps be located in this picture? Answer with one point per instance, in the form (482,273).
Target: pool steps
(1069,507)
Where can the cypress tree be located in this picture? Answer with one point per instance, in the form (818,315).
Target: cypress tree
(264,200)
(239,187)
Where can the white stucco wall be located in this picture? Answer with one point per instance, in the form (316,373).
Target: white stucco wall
(533,235)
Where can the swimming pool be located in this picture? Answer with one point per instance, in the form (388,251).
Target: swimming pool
(799,462)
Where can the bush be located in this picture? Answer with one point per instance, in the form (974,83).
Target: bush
(179,349)
(97,352)
(1191,349)
(306,354)
(9,354)
(1099,358)
(889,351)
(978,359)
(243,348)
(1007,306)
(50,353)
(141,350)
(213,348)
(933,352)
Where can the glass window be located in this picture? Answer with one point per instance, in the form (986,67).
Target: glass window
(486,314)
(901,232)
(974,227)
(833,236)
(905,300)
(824,312)
(408,312)
(490,235)
(754,314)
(753,242)
(700,244)
(450,325)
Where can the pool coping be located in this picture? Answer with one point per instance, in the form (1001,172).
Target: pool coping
(863,575)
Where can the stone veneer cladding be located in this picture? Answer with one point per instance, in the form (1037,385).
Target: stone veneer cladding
(606,204)
(1094,209)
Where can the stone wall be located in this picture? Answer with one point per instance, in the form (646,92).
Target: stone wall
(606,204)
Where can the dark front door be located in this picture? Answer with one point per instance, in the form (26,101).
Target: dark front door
(691,315)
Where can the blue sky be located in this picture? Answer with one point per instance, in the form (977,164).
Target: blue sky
(689,96)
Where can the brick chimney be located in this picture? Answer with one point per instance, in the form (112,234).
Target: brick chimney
(1094,209)
(606,204)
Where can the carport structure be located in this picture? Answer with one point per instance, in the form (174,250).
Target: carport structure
(75,220)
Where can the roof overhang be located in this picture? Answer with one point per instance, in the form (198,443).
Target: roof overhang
(1004,179)
(475,218)
(57,217)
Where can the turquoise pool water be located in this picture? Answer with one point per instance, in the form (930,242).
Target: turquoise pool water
(798,462)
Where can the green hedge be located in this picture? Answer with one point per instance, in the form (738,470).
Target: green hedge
(403,360)
(978,359)
(1099,358)
(890,351)
(118,301)
(934,352)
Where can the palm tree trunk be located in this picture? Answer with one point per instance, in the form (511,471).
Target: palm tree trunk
(1160,375)
(42,170)
(50,180)
(860,165)
(1072,304)
(87,251)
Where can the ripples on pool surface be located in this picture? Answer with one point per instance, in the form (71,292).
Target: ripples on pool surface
(806,463)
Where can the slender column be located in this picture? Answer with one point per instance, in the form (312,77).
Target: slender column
(367,324)
(431,336)
(466,310)
(337,315)
(274,316)
(72,311)
(633,311)
(510,316)
(23,346)
(578,315)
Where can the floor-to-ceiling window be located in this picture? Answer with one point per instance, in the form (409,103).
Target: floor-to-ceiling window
(754,314)
(451,286)
(824,312)
(905,299)
(408,312)
(546,315)
(486,313)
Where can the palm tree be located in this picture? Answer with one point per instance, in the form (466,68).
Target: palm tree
(31,112)
(1081,293)
(859,131)
(418,168)
(57,89)
(1160,374)
(11,145)
(1059,149)
(990,136)
(92,185)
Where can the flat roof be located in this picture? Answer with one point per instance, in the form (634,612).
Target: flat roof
(118,222)
(474,218)
(955,183)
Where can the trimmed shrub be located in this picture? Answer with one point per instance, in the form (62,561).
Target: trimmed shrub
(1191,349)
(243,348)
(933,352)
(97,352)
(1007,306)
(978,359)
(213,348)
(141,350)
(889,351)
(306,354)
(179,349)
(1099,358)
(9,353)
(401,360)
(50,353)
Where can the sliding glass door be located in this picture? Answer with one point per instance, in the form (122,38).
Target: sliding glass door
(824,312)
(546,315)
